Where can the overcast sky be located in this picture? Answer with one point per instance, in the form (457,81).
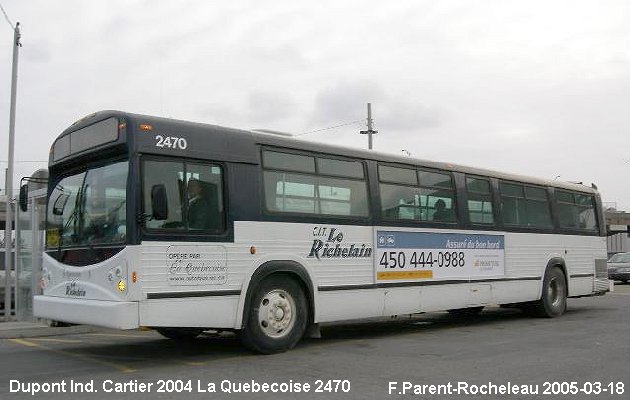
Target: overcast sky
(539,88)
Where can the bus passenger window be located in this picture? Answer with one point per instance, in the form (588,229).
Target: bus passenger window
(479,201)
(407,194)
(335,187)
(576,211)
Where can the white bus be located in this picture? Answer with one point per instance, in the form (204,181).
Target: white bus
(184,227)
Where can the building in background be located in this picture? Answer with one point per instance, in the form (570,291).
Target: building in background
(618,220)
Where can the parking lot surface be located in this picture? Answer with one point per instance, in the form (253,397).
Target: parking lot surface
(381,359)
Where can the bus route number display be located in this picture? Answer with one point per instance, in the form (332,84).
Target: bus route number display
(414,256)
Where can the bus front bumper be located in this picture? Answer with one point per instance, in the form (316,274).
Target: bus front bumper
(110,314)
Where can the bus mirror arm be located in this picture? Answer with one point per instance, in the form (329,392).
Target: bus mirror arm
(23,197)
(159,202)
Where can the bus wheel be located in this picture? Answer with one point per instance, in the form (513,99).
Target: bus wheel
(553,302)
(179,333)
(277,316)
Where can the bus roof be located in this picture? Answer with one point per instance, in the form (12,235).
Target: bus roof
(284,140)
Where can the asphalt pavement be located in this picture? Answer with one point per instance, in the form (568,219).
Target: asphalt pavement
(499,354)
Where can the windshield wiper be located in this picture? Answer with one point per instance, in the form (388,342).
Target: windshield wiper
(74,216)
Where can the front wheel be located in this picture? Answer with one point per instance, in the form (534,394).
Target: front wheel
(553,302)
(277,316)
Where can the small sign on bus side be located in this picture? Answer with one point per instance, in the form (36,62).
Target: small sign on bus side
(190,265)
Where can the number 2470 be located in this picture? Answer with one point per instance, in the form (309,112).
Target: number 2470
(171,142)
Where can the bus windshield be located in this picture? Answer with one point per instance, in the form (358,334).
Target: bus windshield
(88,208)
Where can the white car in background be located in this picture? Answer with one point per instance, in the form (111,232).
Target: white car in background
(619,267)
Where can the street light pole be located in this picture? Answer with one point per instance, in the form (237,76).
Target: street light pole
(8,259)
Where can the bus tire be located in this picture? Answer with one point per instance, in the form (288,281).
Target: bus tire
(276,317)
(553,302)
(181,334)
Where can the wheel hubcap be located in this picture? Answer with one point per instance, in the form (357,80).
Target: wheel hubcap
(276,313)
(555,292)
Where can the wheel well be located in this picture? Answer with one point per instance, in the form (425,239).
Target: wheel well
(289,269)
(558,263)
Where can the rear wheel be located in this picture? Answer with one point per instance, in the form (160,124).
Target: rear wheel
(276,317)
(553,302)
(179,333)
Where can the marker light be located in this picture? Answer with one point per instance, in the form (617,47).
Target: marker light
(252,250)
(146,127)
(122,286)
(134,277)
(45,279)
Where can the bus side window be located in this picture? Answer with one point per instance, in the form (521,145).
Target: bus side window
(576,211)
(204,188)
(319,186)
(479,201)
(407,194)
(168,174)
(194,193)
(567,216)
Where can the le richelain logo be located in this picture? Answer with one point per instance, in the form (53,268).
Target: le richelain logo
(72,289)
(328,242)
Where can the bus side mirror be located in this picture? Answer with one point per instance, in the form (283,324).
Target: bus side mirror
(159,202)
(23,200)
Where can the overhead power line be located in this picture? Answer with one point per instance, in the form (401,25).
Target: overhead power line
(331,127)
(7,17)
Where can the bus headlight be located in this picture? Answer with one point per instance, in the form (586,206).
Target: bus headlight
(117,276)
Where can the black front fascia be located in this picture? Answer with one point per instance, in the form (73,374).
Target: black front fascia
(81,257)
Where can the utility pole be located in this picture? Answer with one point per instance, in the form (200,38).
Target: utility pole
(369,131)
(8,259)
